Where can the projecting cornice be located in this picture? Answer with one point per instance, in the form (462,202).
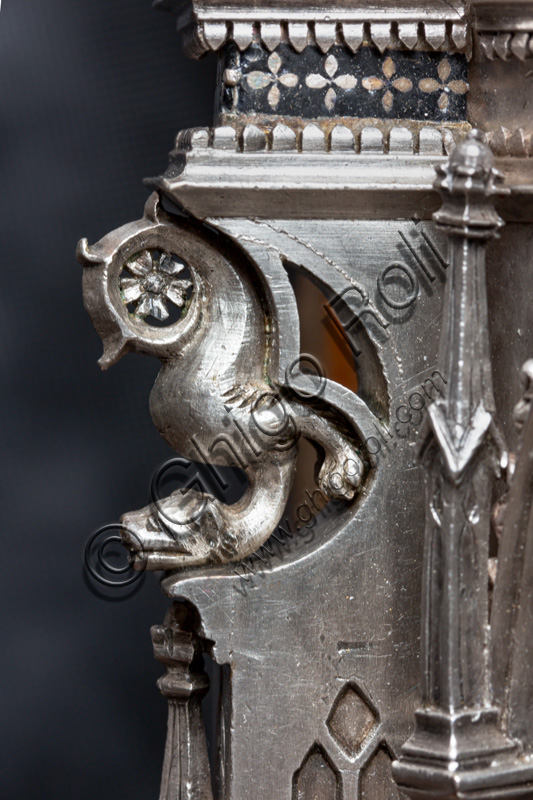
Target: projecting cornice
(505,29)
(210,24)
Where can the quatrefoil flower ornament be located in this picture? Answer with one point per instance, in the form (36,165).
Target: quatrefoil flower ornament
(316,81)
(387,83)
(154,283)
(260,80)
(445,86)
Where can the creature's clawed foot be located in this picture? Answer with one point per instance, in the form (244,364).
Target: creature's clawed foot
(341,472)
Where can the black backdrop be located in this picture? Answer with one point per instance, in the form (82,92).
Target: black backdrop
(92,93)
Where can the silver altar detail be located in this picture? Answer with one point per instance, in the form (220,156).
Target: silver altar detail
(380,646)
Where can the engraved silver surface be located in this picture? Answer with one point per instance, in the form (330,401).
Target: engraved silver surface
(317,632)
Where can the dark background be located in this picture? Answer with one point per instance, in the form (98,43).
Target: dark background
(92,95)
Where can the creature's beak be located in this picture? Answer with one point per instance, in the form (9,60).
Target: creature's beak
(114,348)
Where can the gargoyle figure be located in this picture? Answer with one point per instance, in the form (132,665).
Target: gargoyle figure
(215,400)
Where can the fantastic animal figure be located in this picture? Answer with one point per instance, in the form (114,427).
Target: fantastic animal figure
(215,399)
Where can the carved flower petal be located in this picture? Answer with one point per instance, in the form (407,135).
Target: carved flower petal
(288,79)
(274,62)
(159,308)
(429,85)
(274,96)
(170,265)
(389,67)
(330,99)
(140,264)
(346,81)
(130,289)
(444,69)
(373,83)
(331,66)
(315,81)
(402,84)
(443,101)
(459,87)
(145,306)
(388,99)
(175,295)
(183,285)
(258,80)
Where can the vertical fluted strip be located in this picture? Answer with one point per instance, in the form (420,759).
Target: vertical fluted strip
(512,610)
